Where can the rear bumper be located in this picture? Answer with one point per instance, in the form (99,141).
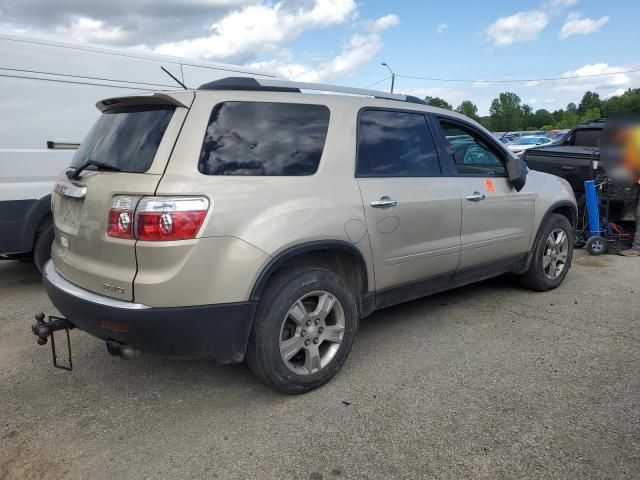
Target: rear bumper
(218,332)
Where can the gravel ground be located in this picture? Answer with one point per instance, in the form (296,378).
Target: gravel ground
(488,381)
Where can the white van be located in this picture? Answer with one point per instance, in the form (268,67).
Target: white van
(49,90)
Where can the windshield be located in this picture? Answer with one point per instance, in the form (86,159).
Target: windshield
(531,141)
(125,138)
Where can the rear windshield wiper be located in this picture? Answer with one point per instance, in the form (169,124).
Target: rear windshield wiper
(73,173)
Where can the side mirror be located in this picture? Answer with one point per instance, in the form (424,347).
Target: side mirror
(517,171)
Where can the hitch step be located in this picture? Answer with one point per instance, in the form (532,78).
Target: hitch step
(44,329)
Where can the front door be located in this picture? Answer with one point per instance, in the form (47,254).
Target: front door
(413,212)
(497,220)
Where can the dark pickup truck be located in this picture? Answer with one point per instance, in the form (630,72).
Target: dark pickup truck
(574,157)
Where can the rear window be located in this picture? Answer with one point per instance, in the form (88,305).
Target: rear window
(264,138)
(125,138)
(587,137)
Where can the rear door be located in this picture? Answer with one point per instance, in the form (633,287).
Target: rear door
(134,136)
(497,220)
(412,211)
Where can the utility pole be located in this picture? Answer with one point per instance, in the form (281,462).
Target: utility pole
(393,75)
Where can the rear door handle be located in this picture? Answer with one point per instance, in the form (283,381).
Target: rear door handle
(567,167)
(475,197)
(384,202)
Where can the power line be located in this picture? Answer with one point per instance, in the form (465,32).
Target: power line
(376,83)
(521,80)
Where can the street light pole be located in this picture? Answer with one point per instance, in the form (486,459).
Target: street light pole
(393,75)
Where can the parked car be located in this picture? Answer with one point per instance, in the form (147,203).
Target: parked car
(247,219)
(54,86)
(558,135)
(527,142)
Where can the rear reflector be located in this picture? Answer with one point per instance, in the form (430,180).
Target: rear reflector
(170,218)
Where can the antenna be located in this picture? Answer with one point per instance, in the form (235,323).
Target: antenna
(177,81)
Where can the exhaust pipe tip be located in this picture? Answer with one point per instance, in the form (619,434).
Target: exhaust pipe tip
(125,352)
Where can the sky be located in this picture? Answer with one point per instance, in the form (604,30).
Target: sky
(344,41)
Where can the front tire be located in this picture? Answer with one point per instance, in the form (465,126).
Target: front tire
(551,256)
(304,328)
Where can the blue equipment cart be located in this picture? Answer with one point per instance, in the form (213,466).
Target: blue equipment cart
(601,234)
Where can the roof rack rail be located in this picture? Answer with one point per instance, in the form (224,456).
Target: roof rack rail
(269,85)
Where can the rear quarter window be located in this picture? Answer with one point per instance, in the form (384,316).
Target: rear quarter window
(264,138)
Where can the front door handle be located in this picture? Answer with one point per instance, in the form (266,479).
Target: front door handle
(475,197)
(384,202)
(568,167)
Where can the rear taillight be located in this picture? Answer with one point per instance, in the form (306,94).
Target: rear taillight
(121,214)
(159,218)
(170,218)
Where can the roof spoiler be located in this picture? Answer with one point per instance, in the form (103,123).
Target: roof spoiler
(155,99)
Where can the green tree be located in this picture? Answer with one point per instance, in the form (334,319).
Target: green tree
(438,102)
(572,107)
(541,118)
(527,116)
(589,101)
(505,112)
(627,104)
(468,108)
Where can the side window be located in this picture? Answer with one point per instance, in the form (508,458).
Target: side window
(396,144)
(471,153)
(264,138)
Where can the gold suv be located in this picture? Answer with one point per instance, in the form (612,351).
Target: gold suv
(247,219)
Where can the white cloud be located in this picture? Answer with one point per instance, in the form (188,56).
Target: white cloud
(550,4)
(441,28)
(578,25)
(360,48)
(89,30)
(521,27)
(258,29)
(383,23)
(614,93)
(614,78)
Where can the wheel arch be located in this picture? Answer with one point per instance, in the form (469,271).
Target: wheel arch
(37,216)
(316,253)
(565,208)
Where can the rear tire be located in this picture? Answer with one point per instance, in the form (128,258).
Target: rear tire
(551,255)
(293,347)
(42,247)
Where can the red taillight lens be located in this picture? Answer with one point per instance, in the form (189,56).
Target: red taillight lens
(121,215)
(170,218)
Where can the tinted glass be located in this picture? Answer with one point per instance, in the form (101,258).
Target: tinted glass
(472,154)
(125,138)
(587,137)
(260,138)
(396,144)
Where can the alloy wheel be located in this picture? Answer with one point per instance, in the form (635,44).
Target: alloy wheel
(312,332)
(556,250)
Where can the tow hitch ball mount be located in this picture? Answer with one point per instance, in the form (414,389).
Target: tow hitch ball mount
(43,329)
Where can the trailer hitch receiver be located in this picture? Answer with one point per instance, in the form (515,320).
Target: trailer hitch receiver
(43,329)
